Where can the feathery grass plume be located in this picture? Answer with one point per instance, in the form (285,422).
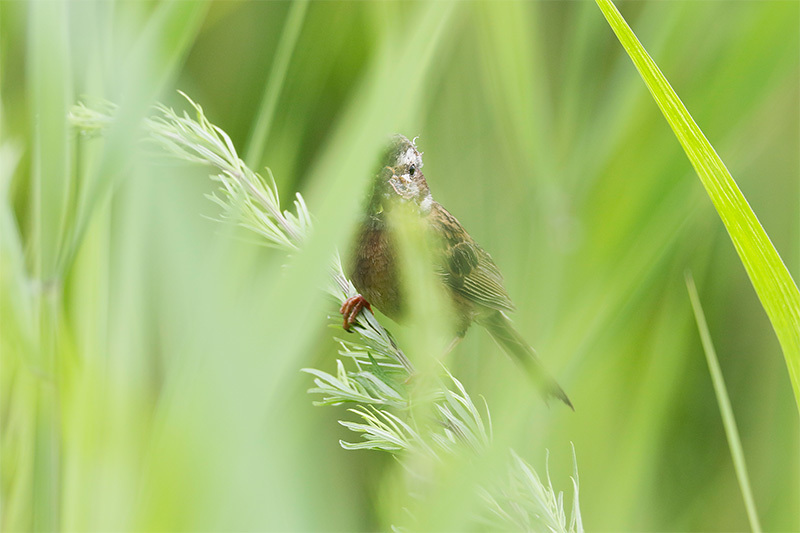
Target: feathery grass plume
(243,194)
(373,373)
(520,504)
(91,120)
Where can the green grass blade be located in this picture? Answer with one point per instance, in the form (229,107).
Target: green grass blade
(50,74)
(277,77)
(771,279)
(724,406)
(49,71)
(159,50)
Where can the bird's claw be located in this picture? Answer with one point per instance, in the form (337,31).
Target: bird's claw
(350,309)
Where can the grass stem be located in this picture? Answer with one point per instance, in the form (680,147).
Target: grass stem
(724,406)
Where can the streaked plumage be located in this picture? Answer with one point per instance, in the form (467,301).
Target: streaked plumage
(475,282)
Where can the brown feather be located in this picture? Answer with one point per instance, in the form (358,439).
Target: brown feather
(475,282)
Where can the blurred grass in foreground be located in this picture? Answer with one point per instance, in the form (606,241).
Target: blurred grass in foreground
(150,360)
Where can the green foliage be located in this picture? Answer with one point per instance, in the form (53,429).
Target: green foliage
(771,279)
(164,392)
(382,371)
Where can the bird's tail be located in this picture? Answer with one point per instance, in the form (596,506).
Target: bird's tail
(502,330)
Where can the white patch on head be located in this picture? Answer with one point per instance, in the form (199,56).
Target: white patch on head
(409,157)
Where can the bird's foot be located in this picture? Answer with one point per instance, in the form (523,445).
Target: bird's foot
(350,309)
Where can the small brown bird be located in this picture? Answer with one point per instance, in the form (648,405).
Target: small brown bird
(467,270)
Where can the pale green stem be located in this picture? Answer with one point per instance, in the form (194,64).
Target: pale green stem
(724,406)
(275,81)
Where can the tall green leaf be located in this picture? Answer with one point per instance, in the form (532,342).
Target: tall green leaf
(771,279)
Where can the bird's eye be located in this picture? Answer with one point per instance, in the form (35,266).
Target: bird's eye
(411,170)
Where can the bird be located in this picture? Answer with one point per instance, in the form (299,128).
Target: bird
(468,272)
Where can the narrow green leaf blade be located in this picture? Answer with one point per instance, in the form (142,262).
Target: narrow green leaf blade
(277,77)
(771,279)
(724,406)
(51,87)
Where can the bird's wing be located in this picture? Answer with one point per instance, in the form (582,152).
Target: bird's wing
(466,267)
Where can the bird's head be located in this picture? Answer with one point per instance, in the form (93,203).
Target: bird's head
(400,175)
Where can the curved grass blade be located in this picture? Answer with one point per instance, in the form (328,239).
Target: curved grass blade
(771,279)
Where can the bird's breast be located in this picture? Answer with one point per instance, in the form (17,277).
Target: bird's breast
(374,269)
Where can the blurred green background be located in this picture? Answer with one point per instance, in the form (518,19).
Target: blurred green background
(150,356)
